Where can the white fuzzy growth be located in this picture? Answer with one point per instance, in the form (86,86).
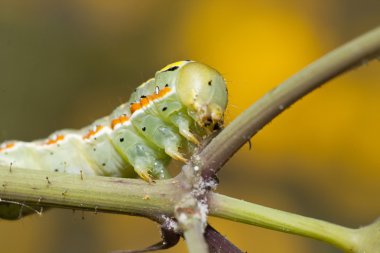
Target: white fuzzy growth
(169,223)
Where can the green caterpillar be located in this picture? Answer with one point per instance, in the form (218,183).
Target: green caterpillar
(166,117)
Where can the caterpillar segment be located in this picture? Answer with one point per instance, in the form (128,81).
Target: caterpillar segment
(166,117)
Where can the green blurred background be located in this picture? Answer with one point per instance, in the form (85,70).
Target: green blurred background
(65,63)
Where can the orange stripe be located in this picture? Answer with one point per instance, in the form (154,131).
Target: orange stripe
(134,107)
(144,101)
(92,132)
(163,92)
(153,97)
(123,118)
(115,122)
(55,140)
(7,146)
(10,145)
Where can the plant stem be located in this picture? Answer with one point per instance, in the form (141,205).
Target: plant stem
(242,211)
(194,238)
(136,197)
(354,53)
(131,196)
(119,195)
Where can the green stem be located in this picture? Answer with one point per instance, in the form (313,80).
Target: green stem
(131,196)
(242,211)
(354,53)
(36,187)
(119,195)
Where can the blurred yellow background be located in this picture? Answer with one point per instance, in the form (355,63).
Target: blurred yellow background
(65,63)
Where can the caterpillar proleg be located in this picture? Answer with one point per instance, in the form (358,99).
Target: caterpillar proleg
(166,117)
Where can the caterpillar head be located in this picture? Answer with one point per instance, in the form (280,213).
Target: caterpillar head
(203,91)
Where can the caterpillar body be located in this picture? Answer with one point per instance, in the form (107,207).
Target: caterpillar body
(166,117)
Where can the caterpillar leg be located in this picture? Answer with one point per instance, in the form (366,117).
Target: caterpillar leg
(185,132)
(183,123)
(171,143)
(143,172)
(146,165)
(172,110)
(173,153)
(149,174)
(147,162)
(162,134)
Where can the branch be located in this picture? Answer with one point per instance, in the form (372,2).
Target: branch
(245,212)
(352,54)
(157,201)
(107,194)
